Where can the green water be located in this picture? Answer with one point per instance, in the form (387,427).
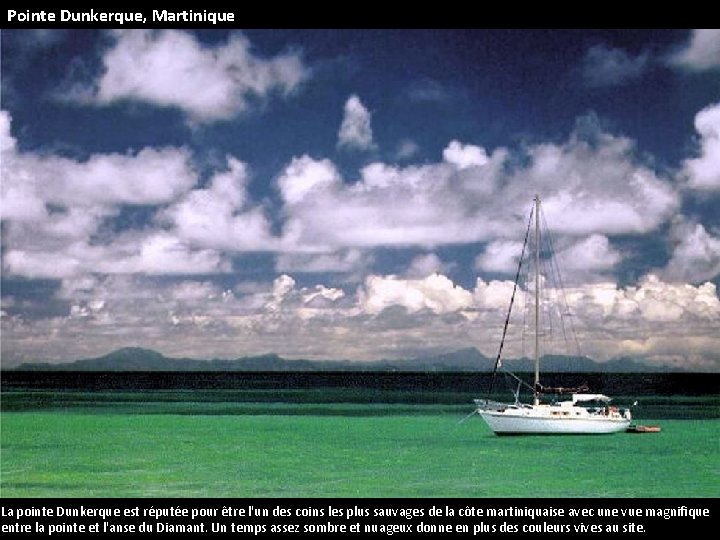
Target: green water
(77,454)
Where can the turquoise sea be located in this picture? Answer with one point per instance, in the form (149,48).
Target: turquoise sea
(218,443)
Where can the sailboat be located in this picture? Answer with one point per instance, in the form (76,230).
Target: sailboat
(582,413)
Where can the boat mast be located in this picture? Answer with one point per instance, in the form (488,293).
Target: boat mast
(536,386)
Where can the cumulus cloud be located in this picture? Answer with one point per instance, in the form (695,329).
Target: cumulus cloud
(355,130)
(30,181)
(180,318)
(701,53)
(436,293)
(696,253)
(304,178)
(426,264)
(588,258)
(652,321)
(171,68)
(388,206)
(605,66)
(152,253)
(321,296)
(588,187)
(703,172)
(656,321)
(465,155)
(121,309)
(60,224)
(221,216)
(161,253)
(186,291)
(58,212)
(652,301)
(494,296)
(598,187)
(59,206)
(499,256)
(584,259)
(283,286)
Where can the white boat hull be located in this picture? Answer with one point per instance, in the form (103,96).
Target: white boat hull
(549,420)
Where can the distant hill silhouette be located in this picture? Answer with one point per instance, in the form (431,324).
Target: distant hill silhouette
(469,359)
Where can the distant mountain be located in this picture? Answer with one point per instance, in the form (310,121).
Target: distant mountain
(470,359)
(139,359)
(628,365)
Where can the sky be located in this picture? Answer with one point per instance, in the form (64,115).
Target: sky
(347,194)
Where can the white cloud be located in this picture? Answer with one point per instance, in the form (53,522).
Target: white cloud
(149,177)
(703,172)
(150,253)
(598,188)
(426,264)
(657,321)
(701,53)
(57,212)
(494,296)
(588,187)
(435,293)
(7,141)
(604,66)
(700,302)
(580,260)
(651,301)
(39,264)
(59,216)
(355,131)
(221,216)
(32,181)
(282,287)
(162,253)
(416,205)
(321,295)
(289,306)
(696,253)
(193,290)
(305,177)
(171,68)
(588,257)
(465,155)
(58,207)
(648,321)
(499,256)
(389,206)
